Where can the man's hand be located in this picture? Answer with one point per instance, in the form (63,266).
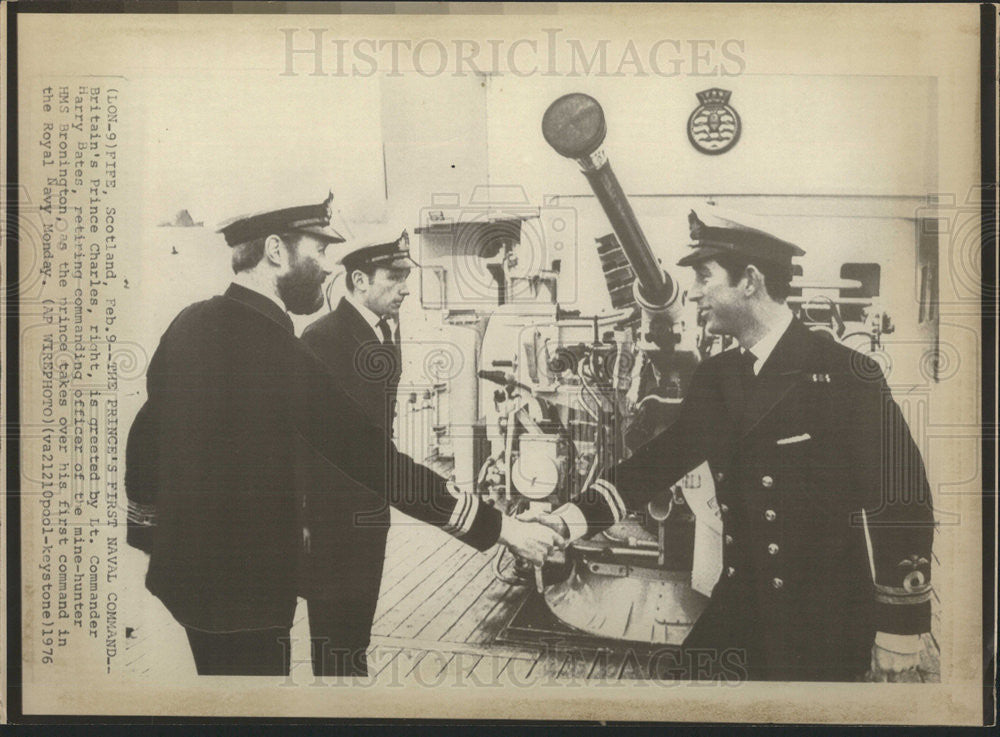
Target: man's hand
(888,665)
(553,521)
(531,540)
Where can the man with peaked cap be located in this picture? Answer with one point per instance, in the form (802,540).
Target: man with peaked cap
(359,343)
(826,509)
(210,457)
(360,339)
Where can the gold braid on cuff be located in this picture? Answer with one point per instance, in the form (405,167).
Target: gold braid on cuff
(899,595)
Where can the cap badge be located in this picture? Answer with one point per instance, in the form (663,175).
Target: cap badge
(695,225)
(328,204)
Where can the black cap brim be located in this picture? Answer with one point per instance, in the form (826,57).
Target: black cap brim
(403,262)
(326,233)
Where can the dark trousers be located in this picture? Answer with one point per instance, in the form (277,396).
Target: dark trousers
(733,642)
(264,652)
(339,635)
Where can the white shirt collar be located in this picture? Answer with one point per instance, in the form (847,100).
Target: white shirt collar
(370,317)
(764,347)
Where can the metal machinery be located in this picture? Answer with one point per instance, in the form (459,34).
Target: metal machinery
(560,396)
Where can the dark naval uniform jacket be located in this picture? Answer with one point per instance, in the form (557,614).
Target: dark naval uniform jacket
(345,528)
(209,471)
(825,504)
(367,369)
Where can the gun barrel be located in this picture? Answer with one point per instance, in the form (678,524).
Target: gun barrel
(574,126)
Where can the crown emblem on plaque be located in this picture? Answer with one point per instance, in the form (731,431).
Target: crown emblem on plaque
(714,96)
(714,126)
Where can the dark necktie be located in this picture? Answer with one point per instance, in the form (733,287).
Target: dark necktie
(747,360)
(747,377)
(383,326)
(397,362)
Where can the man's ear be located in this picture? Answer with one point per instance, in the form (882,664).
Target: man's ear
(274,250)
(755,280)
(358,279)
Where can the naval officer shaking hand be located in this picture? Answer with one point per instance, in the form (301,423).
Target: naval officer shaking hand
(825,504)
(210,456)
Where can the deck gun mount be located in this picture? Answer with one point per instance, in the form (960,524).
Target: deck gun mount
(568,410)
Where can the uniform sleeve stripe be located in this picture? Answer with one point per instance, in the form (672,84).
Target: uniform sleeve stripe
(908,598)
(456,514)
(611,496)
(463,515)
(471,509)
(141,514)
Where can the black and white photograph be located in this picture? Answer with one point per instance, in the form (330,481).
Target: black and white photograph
(499,361)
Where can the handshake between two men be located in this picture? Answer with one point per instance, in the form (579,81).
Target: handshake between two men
(535,536)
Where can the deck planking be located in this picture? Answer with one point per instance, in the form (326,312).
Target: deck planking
(439,613)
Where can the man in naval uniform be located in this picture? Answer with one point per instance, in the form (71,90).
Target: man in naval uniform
(345,530)
(359,340)
(826,510)
(209,468)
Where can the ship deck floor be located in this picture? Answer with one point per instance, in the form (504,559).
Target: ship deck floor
(440,612)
